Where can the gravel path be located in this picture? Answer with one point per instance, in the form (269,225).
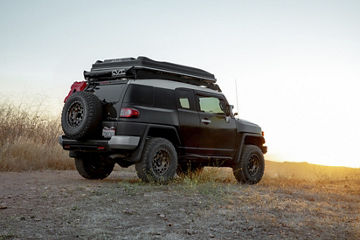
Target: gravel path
(62,205)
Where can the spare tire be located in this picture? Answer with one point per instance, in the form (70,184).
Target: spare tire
(81,115)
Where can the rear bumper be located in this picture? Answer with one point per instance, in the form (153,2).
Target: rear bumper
(114,143)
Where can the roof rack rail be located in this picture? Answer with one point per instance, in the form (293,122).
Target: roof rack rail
(146,68)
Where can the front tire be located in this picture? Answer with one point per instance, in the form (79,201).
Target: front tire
(158,162)
(93,166)
(250,168)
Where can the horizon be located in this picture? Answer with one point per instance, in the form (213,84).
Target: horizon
(296,64)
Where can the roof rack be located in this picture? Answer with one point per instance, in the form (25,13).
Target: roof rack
(146,68)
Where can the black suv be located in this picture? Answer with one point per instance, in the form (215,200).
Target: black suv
(165,118)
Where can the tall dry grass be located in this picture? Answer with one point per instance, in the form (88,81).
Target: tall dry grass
(28,140)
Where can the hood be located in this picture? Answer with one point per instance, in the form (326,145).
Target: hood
(246,126)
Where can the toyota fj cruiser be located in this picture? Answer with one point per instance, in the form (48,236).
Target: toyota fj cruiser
(165,118)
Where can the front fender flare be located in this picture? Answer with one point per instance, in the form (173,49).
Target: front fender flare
(242,144)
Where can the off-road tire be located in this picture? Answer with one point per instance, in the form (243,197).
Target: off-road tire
(81,115)
(250,168)
(158,161)
(94,166)
(186,168)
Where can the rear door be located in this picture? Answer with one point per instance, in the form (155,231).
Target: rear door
(188,119)
(217,130)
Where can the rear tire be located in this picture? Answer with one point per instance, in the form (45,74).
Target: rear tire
(94,166)
(250,168)
(158,162)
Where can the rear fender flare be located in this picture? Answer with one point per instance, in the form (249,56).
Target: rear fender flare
(136,156)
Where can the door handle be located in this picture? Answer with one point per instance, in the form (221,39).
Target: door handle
(205,121)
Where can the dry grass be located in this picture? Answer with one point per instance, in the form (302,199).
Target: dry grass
(301,176)
(296,200)
(28,140)
(313,178)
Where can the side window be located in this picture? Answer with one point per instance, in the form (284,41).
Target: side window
(140,95)
(164,98)
(185,99)
(184,102)
(211,104)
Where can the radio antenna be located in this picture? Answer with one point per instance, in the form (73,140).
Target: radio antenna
(236,93)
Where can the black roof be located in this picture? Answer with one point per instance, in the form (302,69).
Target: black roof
(143,67)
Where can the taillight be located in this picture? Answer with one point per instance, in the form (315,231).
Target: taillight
(262,133)
(129,113)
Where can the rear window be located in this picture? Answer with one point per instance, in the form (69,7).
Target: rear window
(108,92)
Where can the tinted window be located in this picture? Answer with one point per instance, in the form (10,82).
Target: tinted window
(140,95)
(164,98)
(108,92)
(211,105)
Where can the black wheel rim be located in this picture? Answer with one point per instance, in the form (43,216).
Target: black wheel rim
(161,162)
(75,114)
(254,165)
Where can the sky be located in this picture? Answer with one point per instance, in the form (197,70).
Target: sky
(296,63)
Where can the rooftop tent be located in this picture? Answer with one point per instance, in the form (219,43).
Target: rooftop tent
(143,68)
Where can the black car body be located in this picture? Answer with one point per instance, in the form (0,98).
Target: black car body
(138,100)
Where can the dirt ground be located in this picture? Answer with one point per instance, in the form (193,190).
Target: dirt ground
(62,205)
